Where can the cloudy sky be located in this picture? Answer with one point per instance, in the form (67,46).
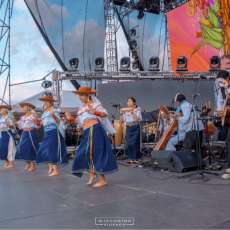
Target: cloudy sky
(32,59)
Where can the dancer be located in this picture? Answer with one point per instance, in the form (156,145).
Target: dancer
(52,149)
(28,145)
(95,153)
(131,116)
(7,144)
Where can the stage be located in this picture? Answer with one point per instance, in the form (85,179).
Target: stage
(152,199)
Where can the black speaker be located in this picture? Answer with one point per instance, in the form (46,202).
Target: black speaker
(185,160)
(181,161)
(163,159)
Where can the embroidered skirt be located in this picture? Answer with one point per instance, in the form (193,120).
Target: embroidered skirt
(28,146)
(94,153)
(52,149)
(133,142)
(7,146)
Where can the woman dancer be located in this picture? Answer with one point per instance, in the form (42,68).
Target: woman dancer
(52,148)
(95,153)
(7,144)
(28,145)
(131,116)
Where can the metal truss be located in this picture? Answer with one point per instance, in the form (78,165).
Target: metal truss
(6,9)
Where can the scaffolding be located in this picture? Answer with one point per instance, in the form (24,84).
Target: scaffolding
(110,40)
(6,9)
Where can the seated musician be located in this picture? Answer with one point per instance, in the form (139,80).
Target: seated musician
(131,116)
(222,89)
(186,121)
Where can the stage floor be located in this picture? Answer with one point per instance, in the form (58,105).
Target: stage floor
(152,199)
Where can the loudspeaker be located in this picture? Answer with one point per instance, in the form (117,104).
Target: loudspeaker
(181,161)
(162,159)
(186,160)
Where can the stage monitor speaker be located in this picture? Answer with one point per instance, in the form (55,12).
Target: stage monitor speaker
(181,161)
(163,159)
(185,160)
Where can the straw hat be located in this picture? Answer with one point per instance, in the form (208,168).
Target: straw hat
(48,98)
(85,90)
(27,104)
(8,107)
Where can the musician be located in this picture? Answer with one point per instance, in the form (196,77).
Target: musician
(131,116)
(94,154)
(221,90)
(7,144)
(28,145)
(186,121)
(52,149)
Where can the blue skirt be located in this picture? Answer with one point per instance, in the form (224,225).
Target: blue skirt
(52,149)
(5,139)
(133,142)
(28,146)
(94,153)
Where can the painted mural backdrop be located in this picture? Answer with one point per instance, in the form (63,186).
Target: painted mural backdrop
(199,30)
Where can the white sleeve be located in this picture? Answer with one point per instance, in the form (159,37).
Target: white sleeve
(186,110)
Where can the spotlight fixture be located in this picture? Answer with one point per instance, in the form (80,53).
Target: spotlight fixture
(141,14)
(154,64)
(133,44)
(182,64)
(125,64)
(46,84)
(74,63)
(135,64)
(99,64)
(214,63)
(133,32)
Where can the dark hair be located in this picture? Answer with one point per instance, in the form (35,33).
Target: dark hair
(133,99)
(225,56)
(223,74)
(180,97)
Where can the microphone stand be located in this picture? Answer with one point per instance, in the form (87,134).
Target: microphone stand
(200,172)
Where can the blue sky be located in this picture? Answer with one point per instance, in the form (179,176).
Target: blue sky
(32,59)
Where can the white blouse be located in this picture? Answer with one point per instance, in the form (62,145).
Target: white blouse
(128,117)
(83,114)
(5,122)
(27,122)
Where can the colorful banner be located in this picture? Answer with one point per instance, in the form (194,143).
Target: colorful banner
(199,30)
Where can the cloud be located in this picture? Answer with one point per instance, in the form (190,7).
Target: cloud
(92,40)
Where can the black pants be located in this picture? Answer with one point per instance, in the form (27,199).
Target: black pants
(224,135)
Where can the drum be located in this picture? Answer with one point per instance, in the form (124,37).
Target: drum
(119,136)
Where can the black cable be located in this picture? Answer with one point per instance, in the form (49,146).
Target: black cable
(143,36)
(159,41)
(62,31)
(84,32)
(40,18)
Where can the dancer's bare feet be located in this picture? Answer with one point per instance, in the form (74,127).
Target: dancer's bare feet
(50,169)
(27,166)
(92,179)
(10,165)
(101,182)
(6,163)
(32,167)
(55,171)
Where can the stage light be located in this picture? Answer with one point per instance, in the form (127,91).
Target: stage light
(214,63)
(74,62)
(135,64)
(182,64)
(133,44)
(154,64)
(141,14)
(133,32)
(125,64)
(46,84)
(99,64)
